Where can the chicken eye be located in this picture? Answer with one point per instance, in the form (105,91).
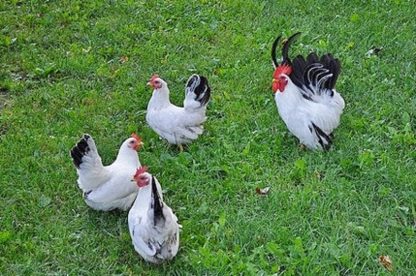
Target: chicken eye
(131,142)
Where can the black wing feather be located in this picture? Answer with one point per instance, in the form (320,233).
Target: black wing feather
(323,139)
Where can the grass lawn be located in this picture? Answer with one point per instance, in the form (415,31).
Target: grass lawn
(70,67)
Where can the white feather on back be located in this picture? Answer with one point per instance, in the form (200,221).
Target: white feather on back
(91,172)
(299,113)
(178,125)
(154,243)
(108,187)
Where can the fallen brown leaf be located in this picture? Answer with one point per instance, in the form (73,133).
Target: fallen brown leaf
(262,191)
(386,262)
(124,59)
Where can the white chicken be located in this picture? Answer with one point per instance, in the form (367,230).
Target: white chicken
(107,187)
(305,96)
(178,125)
(153,227)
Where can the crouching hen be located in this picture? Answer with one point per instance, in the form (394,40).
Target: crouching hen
(305,95)
(153,227)
(107,187)
(178,125)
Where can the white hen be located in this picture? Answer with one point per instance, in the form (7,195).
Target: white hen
(305,95)
(107,187)
(153,227)
(178,125)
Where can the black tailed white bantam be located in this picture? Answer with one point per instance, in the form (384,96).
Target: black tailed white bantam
(153,227)
(305,95)
(107,187)
(178,125)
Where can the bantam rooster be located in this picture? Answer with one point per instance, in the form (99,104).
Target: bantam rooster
(153,227)
(305,96)
(110,187)
(178,125)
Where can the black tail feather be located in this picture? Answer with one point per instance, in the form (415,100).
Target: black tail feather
(299,64)
(334,66)
(157,204)
(286,46)
(80,150)
(314,75)
(199,86)
(312,58)
(274,46)
(307,72)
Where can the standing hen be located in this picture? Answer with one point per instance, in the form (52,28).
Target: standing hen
(107,187)
(153,227)
(305,95)
(178,125)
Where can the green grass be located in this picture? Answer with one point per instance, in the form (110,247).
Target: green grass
(326,213)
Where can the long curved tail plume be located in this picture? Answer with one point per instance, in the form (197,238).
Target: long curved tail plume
(286,46)
(274,46)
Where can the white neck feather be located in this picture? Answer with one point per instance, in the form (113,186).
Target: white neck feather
(288,99)
(128,156)
(160,98)
(143,199)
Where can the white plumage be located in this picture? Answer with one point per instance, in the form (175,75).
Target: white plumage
(305,96)
(178,125)
(153,227)
(106,187)
(303,117)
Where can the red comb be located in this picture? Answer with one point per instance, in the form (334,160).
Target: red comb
(137,137)
(140,171)
(155,76)
(282,69)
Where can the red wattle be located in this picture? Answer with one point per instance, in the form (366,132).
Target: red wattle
(275,86)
